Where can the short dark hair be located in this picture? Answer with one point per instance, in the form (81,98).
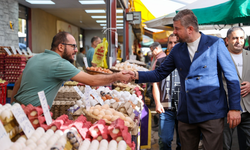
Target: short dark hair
(171,35)
(81,49)
(187,18)
(234,29)
(94,38)
(155,44)
(59,38)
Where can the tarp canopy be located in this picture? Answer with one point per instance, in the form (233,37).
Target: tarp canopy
(220,11)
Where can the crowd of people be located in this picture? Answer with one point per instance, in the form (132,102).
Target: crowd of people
(201,87)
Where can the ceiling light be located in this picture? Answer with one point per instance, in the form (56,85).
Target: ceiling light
(101,21)
(119,11)
(119,16)
(119,24)
(119,27)
(103,24)
(98,16)
(119,21)
(95,11)
(92,2)
(40,2)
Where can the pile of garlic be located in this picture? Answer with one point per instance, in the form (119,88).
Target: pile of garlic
(122,96)
(103,145)
(128,66)
(40,140)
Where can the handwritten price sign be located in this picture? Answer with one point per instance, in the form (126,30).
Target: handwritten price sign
(22,120)
(44,105)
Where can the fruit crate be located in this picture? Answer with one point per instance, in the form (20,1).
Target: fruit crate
(3,92)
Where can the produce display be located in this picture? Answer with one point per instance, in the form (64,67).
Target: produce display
(99,69)
(128,66)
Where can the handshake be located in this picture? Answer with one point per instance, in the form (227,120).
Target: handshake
(126,76)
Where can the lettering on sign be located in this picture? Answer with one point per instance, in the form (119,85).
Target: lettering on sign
(4,138)
(22,120)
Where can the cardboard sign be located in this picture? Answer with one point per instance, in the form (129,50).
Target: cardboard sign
(5,141)
(85,62)
(24,51)
(45,108)
(8,51)
(19,51)
(97,97)
(22,120)
(78,91)
(87,93)
(29,51)
(13,50)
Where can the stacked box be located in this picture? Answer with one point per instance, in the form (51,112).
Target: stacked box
(14,66)
(2,66)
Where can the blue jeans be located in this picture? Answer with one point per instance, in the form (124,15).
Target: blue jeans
(167,122)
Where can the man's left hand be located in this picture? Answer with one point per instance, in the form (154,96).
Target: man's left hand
(233,118)
(245,88)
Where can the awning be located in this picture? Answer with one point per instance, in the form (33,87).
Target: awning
(220,11)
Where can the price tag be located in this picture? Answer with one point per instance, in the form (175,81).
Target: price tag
(8,51)
(24,51)
(19,51)
(4,138)
(97,97)
(13,50)
(22,120)
(29,51)
(44,105)
(110,62)
(85,62)
(78,91)
(87,93)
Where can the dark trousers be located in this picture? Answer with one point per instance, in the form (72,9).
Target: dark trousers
(212,131)
(243,133)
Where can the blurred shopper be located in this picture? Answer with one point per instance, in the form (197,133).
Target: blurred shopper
(166,97)
(248,41)
(47,72)
(138,56)
(79,58)
(200,60)
(241,58)
(90,53)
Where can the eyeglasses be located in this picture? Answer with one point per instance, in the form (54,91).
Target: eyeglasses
(73,45)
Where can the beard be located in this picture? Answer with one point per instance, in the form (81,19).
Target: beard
(67,56)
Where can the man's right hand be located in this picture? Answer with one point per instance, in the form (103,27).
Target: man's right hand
(132,73)
(159,108)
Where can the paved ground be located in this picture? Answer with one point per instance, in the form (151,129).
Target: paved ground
(154,136)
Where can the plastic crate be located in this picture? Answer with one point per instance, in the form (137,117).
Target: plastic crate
(8,100)
(3,92)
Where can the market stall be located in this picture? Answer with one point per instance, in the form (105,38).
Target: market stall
(81,117)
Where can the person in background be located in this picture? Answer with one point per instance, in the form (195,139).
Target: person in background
(200,60)
(90,53)
(241,59)
(165,96)
(248,47)
(47,72)
(138,56)
(79,58)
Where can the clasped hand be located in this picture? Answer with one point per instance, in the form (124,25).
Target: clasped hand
(127,76)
